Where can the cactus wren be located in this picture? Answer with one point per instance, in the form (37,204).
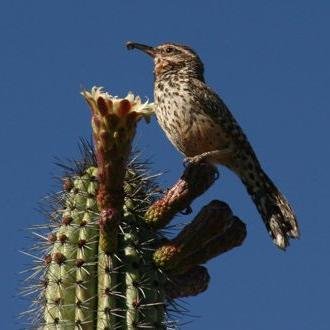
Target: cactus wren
(199,124)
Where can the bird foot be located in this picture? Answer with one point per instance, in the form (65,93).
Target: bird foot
(199,159)
(188,161)
(217,174)
(187,211)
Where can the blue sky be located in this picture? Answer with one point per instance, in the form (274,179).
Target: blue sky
(269,60)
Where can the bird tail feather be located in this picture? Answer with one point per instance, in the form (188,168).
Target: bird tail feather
(276,212)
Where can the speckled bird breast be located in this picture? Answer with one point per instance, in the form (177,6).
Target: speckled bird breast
(181,116)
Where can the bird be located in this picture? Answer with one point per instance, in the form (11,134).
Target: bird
(200,125)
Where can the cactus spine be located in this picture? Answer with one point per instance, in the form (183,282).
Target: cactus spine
(105,262)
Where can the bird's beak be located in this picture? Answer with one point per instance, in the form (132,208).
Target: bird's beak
(151,51)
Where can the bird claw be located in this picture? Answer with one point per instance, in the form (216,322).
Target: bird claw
(186,211)
(216,174)
(188,161)
(199,159)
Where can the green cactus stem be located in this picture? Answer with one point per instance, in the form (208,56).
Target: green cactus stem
(114,124)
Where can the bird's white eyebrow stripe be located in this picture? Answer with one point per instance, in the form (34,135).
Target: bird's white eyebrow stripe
(181,48)
(186,51)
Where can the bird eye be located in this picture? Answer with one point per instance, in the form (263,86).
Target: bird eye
(168,50)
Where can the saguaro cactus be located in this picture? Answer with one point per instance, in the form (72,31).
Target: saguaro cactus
(104,262)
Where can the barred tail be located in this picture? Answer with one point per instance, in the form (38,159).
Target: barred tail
(277,214)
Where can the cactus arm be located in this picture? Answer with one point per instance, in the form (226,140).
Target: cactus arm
(196,179)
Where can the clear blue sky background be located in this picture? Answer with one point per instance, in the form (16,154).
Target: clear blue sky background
(270,62)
